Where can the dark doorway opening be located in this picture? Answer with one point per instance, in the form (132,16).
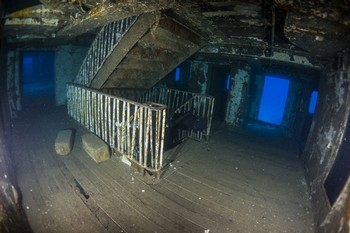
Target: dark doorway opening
(219,88)
(37,69)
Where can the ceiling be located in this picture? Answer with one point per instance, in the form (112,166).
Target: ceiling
(317,27)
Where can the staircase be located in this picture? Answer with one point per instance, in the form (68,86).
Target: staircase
(137,52)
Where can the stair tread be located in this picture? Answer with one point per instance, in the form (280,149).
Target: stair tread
(151,40)
(139,64)
(152,54)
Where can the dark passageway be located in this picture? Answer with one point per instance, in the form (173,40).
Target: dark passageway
(37,78)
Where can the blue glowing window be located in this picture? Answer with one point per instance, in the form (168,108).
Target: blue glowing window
(273,100)
(228,82)
(177,74)
(313,102)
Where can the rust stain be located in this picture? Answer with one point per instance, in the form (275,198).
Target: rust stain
(347,212)
(97,11)
(25,13)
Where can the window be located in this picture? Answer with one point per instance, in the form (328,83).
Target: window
(313,102)
(228,82)
(38,73)
(273,100)
(177,74)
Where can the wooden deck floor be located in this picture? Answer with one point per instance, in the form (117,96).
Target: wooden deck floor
(237,183)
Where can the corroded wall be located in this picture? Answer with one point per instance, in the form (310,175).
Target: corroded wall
(13,82)
(327,131)
(66,71)
(199,72)
(238,93)
(12,217)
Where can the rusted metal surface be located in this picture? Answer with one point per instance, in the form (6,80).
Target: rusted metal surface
(135,130)
(104,43)
(13,83)
(316,34)
(313,25)
(327,131)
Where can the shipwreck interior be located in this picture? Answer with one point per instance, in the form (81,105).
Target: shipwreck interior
(174,116)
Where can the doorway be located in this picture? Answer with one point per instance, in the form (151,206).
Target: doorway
(37,69)
(273,100)
(219,88)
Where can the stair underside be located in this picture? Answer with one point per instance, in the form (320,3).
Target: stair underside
(160,50)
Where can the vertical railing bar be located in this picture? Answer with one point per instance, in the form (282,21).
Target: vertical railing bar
(146,137)
(163,118)
(87,103)
(150,122)
(135,116)
(109,37)
(119,124)
(102,48)
(123,127)
(83,90)
(210,116)
(80,103)
(113,125)
(157,138)
(141,135)
(109,117)
(128,149)
(85,108)
(92,111)
(98,115)
(75,103)
(101,117)
(105,104)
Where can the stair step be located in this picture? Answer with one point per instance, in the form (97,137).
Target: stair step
(152,40)
(137,64)
(177,29)
(152,54)
(129,40)
(120,73)
(173,38)
(130,78)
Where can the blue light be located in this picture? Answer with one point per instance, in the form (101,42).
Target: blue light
(177,74)
(273,100)
(38,73)
(313,101)
(228,82)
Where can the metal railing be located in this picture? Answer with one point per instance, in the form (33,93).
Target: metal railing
(135,130)
(106,40)
(181,102)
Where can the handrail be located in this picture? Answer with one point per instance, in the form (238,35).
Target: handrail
(180,102)
(136,130)
(105,42)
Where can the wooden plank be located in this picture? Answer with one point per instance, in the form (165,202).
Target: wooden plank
(142,65)
(179,31)
(205,191)
(154,40)
(150,53)
(53,195)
